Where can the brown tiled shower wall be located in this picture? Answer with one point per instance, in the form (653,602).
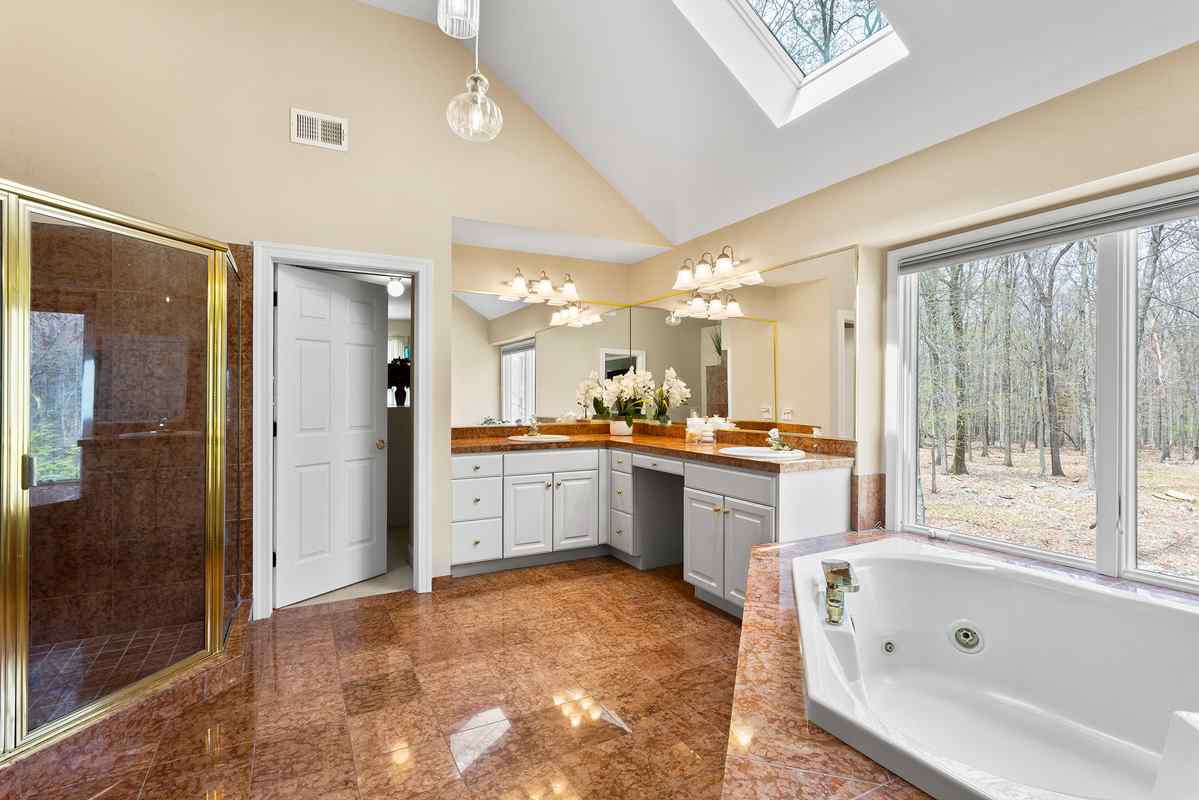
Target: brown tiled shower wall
(243,254)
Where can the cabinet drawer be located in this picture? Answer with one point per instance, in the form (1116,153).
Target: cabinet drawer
(538,461)
(622,460)
(482,540)
(672,465)
(477,498)
(620,532)
(731,482)
(482,465)
(622,492)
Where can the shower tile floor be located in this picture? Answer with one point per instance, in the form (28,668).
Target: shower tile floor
(64,676)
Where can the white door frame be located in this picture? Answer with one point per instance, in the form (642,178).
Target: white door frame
(843,407)
(266,256)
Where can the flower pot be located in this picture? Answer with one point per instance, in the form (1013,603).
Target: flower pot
(663,419)
(618,427)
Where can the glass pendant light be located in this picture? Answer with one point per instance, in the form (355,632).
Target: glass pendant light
(458,18)
(473,115)
(724,262)
(395,287)
(556,319)
(686,278)
(673,320)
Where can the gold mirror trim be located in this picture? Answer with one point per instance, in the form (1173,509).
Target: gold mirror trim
(17,205)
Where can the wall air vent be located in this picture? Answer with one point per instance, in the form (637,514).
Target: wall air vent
(320,130)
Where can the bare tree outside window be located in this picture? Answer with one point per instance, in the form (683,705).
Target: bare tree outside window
(814,32)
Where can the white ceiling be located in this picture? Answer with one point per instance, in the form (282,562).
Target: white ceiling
(532,240)
(489,306)
(636,91)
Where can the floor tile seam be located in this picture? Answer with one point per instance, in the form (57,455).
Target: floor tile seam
(874,785)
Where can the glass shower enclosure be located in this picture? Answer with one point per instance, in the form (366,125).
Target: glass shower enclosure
(117,364)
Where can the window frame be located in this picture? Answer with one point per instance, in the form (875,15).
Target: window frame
(530,378)
(1114,221)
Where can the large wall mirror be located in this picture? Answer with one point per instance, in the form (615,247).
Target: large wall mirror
(790,358)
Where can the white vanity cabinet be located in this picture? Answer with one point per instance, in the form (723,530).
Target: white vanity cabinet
(703,540)
(745,524)
(508,505)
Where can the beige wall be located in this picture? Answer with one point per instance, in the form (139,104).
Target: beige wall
(486,269)
(1134,127)
(475,367)
(565,356)
(667,346)
(178,112)
(749,353)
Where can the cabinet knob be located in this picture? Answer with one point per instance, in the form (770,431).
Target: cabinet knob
(620,491)
(549,484)
(620,531)
(477,499)
(716,509)
(477,542)
(380,444)
(476,467)
(559,483)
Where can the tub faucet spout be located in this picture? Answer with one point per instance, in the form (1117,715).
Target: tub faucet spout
(838,581)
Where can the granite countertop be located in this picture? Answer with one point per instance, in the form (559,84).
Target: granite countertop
(773,751)
(657,445)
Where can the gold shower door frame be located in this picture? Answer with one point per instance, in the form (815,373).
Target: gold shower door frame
(17,204)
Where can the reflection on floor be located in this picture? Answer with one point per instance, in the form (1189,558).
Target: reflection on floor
(398,577)
(580,680)
(65,676)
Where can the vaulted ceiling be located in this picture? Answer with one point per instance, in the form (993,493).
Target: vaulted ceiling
(636,91)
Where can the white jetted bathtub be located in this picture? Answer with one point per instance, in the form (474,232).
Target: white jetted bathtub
(975,678)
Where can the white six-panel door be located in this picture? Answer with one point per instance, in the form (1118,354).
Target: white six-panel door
(576,509)
(331,461)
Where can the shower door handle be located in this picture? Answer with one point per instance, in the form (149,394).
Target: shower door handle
(28,471)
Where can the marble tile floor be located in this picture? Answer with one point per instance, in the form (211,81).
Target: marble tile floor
(580,680)
(64,676)
(398,577)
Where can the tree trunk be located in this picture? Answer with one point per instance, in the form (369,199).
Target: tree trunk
(1009,285)
(957,318)
(1159,392)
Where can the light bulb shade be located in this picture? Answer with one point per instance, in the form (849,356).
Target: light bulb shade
(699,305)
(473,115)
(458,18)
(673,319)
(703,270)
(686,277)
(724,262)
(544,286)
(556,319)
(395,287)
(715,307)
(733,308)
(752,279)
(519,285)
(569,290)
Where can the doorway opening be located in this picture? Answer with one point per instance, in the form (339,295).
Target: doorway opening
(342,502)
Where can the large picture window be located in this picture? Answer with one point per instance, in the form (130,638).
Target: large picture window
(1045,388)
(518,379)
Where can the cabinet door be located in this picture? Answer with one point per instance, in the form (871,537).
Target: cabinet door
(528,515)
(745,524)
(576,509)
(703,540)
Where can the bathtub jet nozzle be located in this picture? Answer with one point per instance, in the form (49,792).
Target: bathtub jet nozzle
(838,581)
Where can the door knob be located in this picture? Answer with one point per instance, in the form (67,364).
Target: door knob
(380,444)
(620,491)
(477,499)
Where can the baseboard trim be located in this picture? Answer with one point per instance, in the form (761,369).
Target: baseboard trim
(521,562)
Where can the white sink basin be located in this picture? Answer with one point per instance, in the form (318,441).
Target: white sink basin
(764,453)
(541,437)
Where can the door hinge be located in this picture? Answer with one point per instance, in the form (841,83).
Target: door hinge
(275,300)
(274,559)
(274,429)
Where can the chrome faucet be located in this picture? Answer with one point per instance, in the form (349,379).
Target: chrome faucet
(534,427)
(838,581)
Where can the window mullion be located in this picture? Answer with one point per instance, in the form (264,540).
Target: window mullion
(1111,351)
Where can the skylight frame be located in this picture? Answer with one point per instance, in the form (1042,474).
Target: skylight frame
(771,40)
(757,59)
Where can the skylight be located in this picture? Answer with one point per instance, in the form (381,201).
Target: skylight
(815,32)
(794,55)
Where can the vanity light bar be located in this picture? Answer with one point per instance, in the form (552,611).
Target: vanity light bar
(714,275)
(541,290)
(699,307)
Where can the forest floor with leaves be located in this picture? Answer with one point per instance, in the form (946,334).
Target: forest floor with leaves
(1017,505)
